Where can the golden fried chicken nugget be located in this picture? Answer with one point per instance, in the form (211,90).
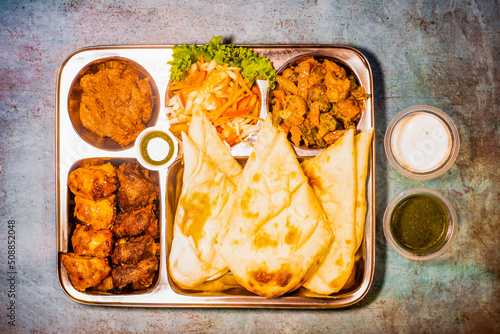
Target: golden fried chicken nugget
(85,271)
(88,241)
(99,214)
(93,182)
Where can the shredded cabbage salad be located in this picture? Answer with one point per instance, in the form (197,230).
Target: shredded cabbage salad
(218,80)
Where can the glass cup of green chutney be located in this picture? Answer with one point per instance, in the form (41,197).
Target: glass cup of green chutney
(420,224)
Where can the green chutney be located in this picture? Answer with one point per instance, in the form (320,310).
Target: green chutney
(419,223)
(166,153)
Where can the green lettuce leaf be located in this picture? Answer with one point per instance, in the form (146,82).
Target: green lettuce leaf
(253,66)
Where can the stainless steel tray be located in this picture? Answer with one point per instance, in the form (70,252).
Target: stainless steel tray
(72,149)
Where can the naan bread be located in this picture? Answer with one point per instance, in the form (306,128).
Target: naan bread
(333,176)
(201,213)
(362,143)
(277,233)
(205,135)
(225,282)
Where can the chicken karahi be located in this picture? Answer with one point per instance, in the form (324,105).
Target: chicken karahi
(316,101)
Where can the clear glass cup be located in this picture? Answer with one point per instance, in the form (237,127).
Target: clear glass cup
(450,233)
(395,149)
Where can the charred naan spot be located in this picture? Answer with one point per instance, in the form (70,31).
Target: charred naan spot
(336,284)
(280,277)
(339,262)
(263,239)
(313,181)
(256,177)
(327,158)
(245,205)
(292,236)
(348,242)
(293,174)
(197,211)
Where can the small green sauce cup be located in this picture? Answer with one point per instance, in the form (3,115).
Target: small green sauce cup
(159,157)
(420,224)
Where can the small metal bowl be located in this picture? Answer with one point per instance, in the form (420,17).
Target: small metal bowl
(304,151)
(75,97)
(448,238)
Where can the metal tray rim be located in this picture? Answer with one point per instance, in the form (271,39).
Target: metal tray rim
(218,302)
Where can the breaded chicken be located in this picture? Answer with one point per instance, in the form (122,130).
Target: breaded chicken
(85,271)
(100,214)
(88,241)
(93,182)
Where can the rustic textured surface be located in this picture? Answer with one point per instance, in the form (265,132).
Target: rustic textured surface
(442,53)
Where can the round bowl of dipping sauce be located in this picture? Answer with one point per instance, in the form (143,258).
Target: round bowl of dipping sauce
(422,142)
(420,224)
(156,148)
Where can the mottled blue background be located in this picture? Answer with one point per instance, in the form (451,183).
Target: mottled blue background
(440,53)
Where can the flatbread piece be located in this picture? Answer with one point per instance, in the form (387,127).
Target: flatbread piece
(278,233)
(332,175)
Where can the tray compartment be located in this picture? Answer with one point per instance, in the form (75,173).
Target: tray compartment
(73,221)
(174,188)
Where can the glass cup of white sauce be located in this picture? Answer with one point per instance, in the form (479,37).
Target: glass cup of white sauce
(422,142)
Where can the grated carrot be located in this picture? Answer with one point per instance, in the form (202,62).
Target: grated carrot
(221,93)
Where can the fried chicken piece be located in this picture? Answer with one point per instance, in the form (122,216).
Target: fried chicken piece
(88,241)
(140,272)
(93,182)
(100,214)
(106,284)
(136,187)
(85,271)
(134,249)
(143,283)
(141,221)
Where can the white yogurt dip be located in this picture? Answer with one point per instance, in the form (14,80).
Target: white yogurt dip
(421,142)
(158,149)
